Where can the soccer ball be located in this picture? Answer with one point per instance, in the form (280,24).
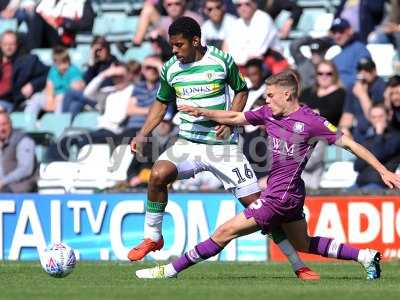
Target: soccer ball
(58,260)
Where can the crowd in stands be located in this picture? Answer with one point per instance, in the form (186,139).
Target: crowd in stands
(339,76)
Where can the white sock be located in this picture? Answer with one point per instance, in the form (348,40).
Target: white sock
(153,225)
(169,270)
(362,256)
(291,254)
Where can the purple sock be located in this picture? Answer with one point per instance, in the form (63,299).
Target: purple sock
(331,248)
(200,252)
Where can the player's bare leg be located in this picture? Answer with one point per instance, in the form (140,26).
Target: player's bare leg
(281,240)
(297,234)
(162,174)
(234,228)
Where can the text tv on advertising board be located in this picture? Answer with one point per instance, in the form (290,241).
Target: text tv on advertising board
(363,221)
(106,226)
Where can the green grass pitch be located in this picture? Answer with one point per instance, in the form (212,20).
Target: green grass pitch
(107,280)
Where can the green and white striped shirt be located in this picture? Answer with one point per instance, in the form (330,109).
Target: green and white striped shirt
(204,83)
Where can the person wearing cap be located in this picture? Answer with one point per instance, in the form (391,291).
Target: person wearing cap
(304,65)
(366,91)
(352,51)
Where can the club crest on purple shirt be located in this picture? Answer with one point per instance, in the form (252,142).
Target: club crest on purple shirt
(298,127)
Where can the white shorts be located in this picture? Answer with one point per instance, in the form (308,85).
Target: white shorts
(226,162)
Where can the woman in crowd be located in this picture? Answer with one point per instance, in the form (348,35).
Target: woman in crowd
(327,96)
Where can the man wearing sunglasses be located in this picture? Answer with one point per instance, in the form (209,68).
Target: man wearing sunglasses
(218,25)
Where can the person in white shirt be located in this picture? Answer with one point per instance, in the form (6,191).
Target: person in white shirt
(110,123)
(252,34)
(219,23)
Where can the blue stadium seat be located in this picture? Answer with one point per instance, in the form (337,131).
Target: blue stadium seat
(23,121)
(333,154)
(45,55)
(307,21)
(55,123)
(86,120)
(8,24)
(80,56)
(138,53)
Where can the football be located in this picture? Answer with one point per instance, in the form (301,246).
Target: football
(58,260)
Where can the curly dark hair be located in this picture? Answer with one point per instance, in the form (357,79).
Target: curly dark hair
(188,27)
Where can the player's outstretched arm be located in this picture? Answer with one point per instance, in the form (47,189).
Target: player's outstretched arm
(220,116)
(389,178)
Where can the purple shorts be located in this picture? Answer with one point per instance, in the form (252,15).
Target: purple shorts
(270,212)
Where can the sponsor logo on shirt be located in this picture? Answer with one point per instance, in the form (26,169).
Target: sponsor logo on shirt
(330,126)
(190,91)
(282,147)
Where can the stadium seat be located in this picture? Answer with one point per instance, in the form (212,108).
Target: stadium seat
(94,155)
(120,160)
(383,55)
(80,56)
(339,174)
(89,171)
(8,24)
(322,24)
(54,123)
(87,119)
(23,121)
(138,53)
(45,55)
(57,177)
(307,21)
(333,154)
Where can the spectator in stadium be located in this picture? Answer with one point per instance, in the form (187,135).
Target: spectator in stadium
(389,30)
(219,23)
(253,35)
(56,22)
(20,10)
(384,142)
(352,51)
(304,65)
(18,160)
(256,72)
(363,15)
(327,96)
(8,9)
(161,14)
(274,8)
(368,89)
(143,95)
(21,75)
(101,58)
(62,77)
(111,123)
(392,100)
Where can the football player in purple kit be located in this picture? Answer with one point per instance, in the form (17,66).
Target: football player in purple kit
(293,131)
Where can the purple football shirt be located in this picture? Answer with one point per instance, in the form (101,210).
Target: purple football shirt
(291,140)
